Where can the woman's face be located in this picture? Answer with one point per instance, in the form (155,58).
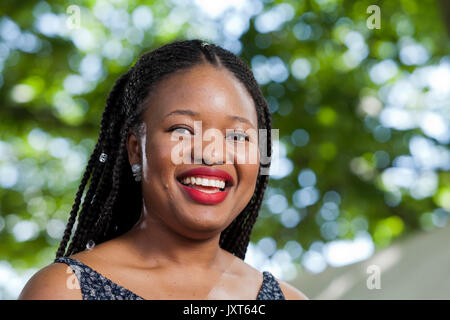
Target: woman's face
(217,100)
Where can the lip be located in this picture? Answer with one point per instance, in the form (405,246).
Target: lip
(203,197)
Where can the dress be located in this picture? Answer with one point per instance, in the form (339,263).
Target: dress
(94,286)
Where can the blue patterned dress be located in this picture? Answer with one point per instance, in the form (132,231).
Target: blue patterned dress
(95,286)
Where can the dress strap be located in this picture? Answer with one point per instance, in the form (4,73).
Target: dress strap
(270,288)
(69,261)
(95,286)
(80,270)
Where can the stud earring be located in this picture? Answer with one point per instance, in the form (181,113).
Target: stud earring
(137,171)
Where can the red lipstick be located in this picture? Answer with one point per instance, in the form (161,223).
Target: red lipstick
(211,173)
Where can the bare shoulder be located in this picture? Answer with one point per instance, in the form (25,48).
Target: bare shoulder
(53,282)
(57,281)
(290,292)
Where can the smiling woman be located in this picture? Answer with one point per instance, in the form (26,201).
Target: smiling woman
(165,229)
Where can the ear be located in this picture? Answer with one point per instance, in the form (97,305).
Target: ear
(134,148)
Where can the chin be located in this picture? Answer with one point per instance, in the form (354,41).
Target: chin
(203,224)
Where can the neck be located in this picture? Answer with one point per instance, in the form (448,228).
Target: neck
(157,245)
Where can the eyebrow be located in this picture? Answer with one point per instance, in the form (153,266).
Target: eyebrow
(240,119)
(183,112)
(196,114)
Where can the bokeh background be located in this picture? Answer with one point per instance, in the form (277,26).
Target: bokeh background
(363,178)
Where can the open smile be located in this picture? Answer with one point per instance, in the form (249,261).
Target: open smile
(206,185)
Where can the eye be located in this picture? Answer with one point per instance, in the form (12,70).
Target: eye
(180,130)
(241,137)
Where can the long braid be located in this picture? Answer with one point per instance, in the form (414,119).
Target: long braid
(94,160)
(112,190)
(92,198)
(76,205)
(244,236)
(109,129)
(105,216)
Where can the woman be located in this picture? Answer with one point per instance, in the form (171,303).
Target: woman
(156,228)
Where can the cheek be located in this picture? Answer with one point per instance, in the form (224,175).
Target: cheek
(248,176)
(157,166)
(158,175)
(249,170)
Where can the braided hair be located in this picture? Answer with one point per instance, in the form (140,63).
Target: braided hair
(112,190)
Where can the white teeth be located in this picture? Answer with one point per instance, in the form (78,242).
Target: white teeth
(208,191)
(204,182)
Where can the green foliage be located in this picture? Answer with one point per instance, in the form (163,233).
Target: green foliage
(50,115)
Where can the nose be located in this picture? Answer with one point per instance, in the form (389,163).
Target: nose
(215,158)
(213,149)
(211,153)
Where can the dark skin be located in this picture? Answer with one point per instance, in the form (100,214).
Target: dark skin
(173,251)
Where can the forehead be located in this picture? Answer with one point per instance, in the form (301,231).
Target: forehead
(212,92)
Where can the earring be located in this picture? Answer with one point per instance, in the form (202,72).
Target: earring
(137,171)
(103,157)
(90,244)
